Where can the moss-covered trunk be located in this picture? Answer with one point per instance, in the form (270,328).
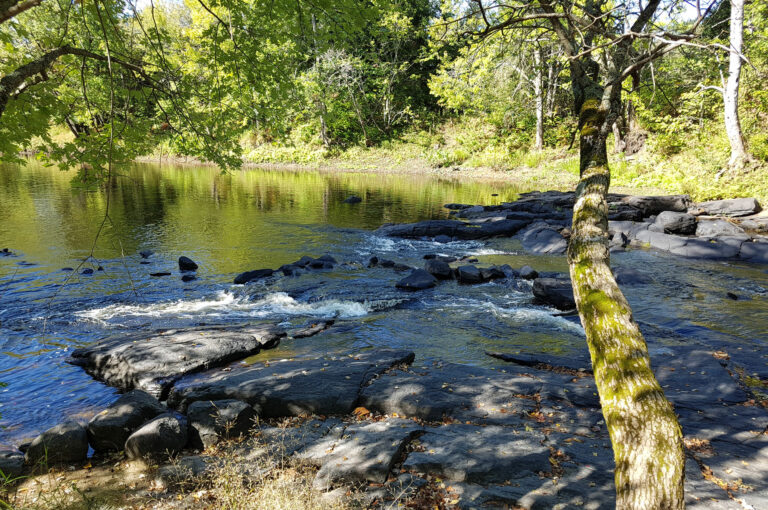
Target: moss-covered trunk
(646,438)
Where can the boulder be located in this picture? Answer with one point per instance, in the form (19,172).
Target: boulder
(188,278)
(650,205)
(732,207)
(661,241)
(556,292)
(163,435)
(62,444)
(718,228)
(754,252)
(145,254)
(443,239)
(11,463)
(187,264)
(718,248)
(353,200)
(491,273)
(303,261)
(456,207)
(629,276)
(469,274)
(528,273)
(210,421)
(108,430)
(618,241)
(249,276)
(438,269)
(419,279)
(154,363)
(672,222)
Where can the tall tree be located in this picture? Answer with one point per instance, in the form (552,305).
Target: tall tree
(739,153)
(605,44)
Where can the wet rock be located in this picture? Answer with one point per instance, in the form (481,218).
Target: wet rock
(732,207)
(365,452)
(64,443)
(717,228)
(618,241)
(353,200)
(327,259)
(387,263)
(145,254)
(163,435)
(544,239)
(304,261)
(469,453)
(555,292)
(310,329)
(453,228)
(67,269)
(468,274)
(250,276)
(660,240)
(629,276)
(650,205)
(187,264)
(672,222)
(402,267)
(439,269)
(211,421)
(292,388)
(154,363)
(374,261)
(188,278)
(491,273)
(528,273)
(155,275)
(754,252)
(11,463)
(108,430)
(443,239)
(718,248)
(546,361)
(419,279)
(456,207)
(86,271)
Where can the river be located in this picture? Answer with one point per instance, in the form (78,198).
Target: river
(256,218)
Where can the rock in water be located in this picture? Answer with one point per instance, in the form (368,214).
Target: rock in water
(353,200)
(528,273)
(65,443)
(438,269)
(469,274)
(555,292)
(187,264)
(108,430)
(249,276)
(212,420)
(419,279)
(145,254)
(672,222)
(154,363)
(164,435)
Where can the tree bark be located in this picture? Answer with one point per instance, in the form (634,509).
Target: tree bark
(731,94)
(646,437)
(538,85)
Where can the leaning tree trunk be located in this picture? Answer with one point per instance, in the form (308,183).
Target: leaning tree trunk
(731,93)
(646,437)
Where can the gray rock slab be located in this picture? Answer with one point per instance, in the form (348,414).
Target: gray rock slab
(717,228)
(365,452)
(108,430)
(462,392)
(650,205)
(419,279)
(661,241)
(718,248)
(743,466)
(579,391)
(165,435)
(439,269)
(672,222)
(730,207)
(187,469)
(694,378)
(702,494)
(211,421)
(544,240)
(579,362)
(588,479)
(453,228)
(474,454)
(728,423)
(11,463)
(291,388)
(754,252)
(154,363)
(309,440)
(62,444)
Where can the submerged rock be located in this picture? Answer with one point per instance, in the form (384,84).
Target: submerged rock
(108,430)
(556,292)
(544,239)
(250,276)
(353,200)
(64,443)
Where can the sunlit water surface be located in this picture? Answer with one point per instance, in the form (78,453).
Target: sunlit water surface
(251,219)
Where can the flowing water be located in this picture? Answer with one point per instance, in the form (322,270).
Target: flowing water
(251,219)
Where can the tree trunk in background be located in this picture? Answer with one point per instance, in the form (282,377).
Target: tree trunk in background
(646,437)
(731,94)
(538,86)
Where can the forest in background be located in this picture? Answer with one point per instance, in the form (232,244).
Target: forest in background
(385,82)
